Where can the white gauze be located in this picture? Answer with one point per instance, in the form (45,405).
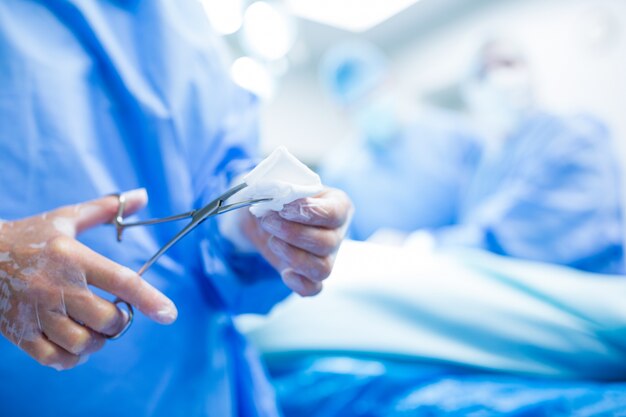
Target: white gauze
(281,177)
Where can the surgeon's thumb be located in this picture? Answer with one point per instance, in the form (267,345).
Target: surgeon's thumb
(102,210)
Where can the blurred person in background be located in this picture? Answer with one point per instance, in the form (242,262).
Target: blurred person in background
(546,187)
(511,178)
(402,174)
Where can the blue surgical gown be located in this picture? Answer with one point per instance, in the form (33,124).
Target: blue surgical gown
(99,97)
(551,194)
(413,181)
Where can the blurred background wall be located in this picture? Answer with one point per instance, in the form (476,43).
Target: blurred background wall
(577,49)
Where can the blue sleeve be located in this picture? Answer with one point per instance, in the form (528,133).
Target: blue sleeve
(145,111)
(562,205)
(246,283)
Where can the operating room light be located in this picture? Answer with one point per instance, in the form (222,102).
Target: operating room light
(352,15)
(226,17)
(253,76)
(268,31)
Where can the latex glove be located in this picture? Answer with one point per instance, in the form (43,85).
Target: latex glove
(46,306)
(301,240)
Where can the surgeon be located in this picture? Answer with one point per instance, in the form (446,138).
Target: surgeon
(511,178)
(99,97)
(546,187)
(402,172)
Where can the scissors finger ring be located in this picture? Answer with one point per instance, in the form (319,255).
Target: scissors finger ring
(129,312)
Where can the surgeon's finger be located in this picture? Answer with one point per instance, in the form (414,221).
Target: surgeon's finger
(96,313)
(330,209)
(69,335)
(317,240)
(300,284)
(130,287)
(79,217)
(117,280)
(49,354)
(314,267)
(104,210)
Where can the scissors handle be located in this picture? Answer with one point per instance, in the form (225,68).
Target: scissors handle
(120,225)
(198,217)
(214,208)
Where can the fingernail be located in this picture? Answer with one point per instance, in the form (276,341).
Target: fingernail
(57,367)
(138,194)
(293,212)
(292,280)
(271,224)
(166,315)
(276,246)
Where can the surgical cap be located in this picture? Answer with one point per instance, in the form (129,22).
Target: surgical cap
(351,70)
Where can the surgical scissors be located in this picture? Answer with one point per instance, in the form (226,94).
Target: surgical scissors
(215,207)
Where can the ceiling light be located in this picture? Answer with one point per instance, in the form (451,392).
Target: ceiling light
(268,31)
(253,76)
(224,16)
(352,15)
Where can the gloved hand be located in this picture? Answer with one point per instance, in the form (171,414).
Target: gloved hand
(46,306)
(301,240)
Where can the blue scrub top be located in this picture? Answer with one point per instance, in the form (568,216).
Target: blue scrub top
(414,181)
(99,97)
(552,194)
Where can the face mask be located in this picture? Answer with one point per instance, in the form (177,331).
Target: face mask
(378,123)
(499,102)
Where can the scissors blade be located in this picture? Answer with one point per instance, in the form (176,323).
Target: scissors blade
(214,208)
(238,205)
(188,228)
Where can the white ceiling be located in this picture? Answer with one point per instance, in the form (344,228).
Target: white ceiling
(353,15)
(420,17)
